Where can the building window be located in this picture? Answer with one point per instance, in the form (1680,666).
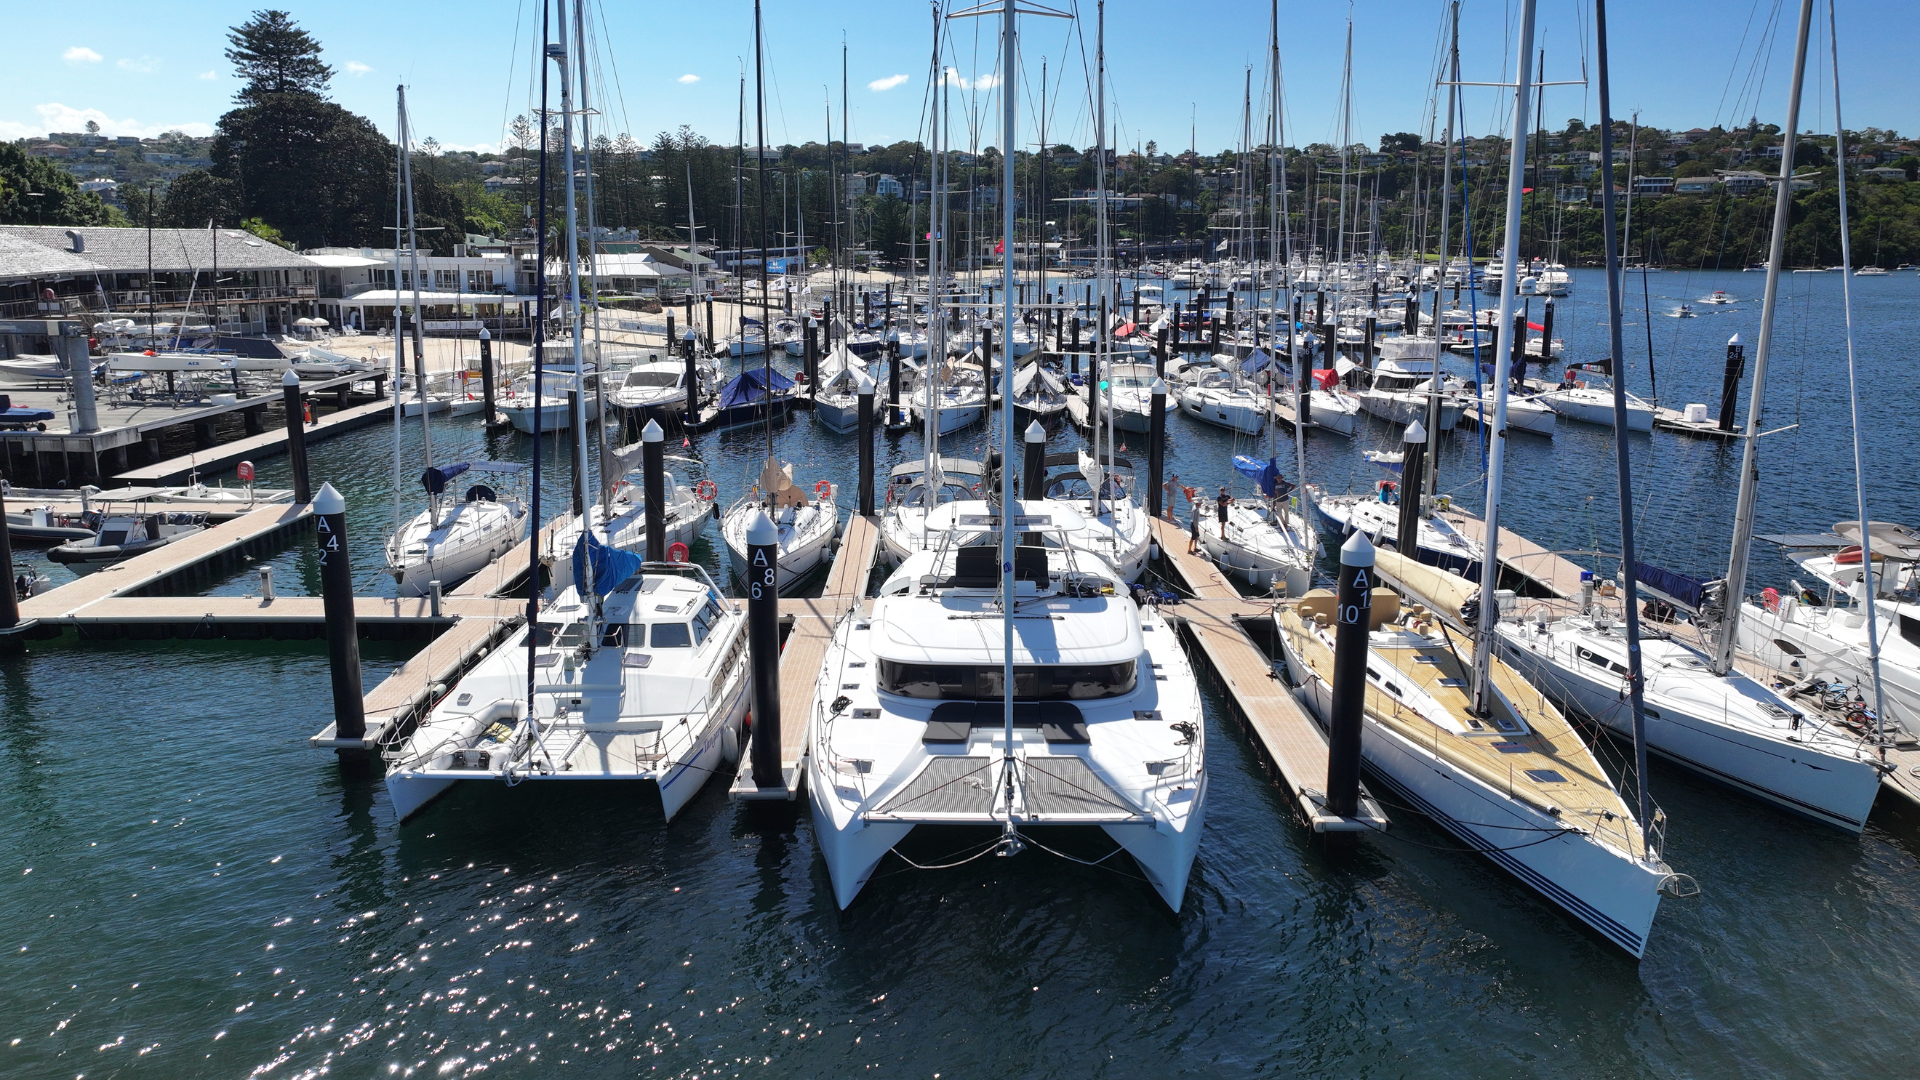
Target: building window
(446,280)
(479,281)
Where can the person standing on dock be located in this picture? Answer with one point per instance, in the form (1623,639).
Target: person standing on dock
(1168,497)
(1193,535)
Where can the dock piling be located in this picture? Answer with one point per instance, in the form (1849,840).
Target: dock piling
(9,597)
(863,393)
(486,373)
(1354,623)
(1033,471)
(1156,445)
(653,469)
(1413,467)
(1730,383)
(296,437)
(343,637)
(692,379)
(763,649)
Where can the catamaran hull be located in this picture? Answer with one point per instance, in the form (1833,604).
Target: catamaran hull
(1817,786)
(1608,893)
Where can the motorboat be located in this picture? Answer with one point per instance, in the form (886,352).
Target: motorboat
(912,726)
(639,676)
(1517,783)
(806,527)
(1399,390)
(452,539)
(1523,413)
(659,384)
(1719,297)
(124,535)
(553,402)
(1410,347)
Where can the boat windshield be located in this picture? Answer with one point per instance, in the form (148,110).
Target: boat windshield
(654,378)
(1040,682)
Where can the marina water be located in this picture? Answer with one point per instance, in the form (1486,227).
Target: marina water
(193,892)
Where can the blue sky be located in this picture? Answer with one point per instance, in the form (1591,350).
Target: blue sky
(140,69)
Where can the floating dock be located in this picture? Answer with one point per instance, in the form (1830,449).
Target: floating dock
(1287,738)
(254,447)
(1547,571)
(805,652)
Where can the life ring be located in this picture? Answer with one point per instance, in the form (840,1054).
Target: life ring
(676,552)
(706,491)
(823,490)
(1770,597)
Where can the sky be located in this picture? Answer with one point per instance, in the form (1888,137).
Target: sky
(1177,71)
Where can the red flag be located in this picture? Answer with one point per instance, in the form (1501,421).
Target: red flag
(1526,191)
(685,442)
(1536,326)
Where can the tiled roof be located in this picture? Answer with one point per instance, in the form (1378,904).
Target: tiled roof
(30,250)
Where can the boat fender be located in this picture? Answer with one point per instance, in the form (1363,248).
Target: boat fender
(729,745)
(482,493)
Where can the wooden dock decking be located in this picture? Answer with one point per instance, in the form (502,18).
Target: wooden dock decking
(416,684)
(1547,570)
(1665,419)
(142,571)
(265,444)
(1286,736)
(813,620)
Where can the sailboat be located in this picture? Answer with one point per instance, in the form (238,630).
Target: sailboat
(1720,724)
(636,671)
(453,537)
(998,680)
(1466,740)
(836,402)
(807,526)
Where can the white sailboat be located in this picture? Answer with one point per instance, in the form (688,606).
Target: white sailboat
(836,404)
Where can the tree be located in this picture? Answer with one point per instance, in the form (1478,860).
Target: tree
(35,191)
(93,127)
(273,56)
(1808,154)
(197,198)
(1909,163)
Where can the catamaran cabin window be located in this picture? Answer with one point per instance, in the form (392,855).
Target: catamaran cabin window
(671,635)
(965,682)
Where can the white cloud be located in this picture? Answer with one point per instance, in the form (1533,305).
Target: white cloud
(57,117)
(986,82)
(983,82)
(80,54)
(143,65)
(207,76)
(688,78)
(357,69)
(887,83)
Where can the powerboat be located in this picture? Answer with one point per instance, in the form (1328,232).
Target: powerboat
(1398,394)
(122,536)
(640,676)
(1219,399)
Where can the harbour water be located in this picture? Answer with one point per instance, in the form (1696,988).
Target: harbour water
(194,892)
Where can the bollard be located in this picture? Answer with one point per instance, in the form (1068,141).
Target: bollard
(1413,468)
(266,583)
(80,369)
(863,393)
(692,378)
(433,597)
(810,358)
(1213,333)
(1156,445)
(1366,354)
(986,365)
(296,437)
(1176,324)
(670,335)
(653,468)
(1354,622)
(763,648)
(1730,382)
(343,636)
(1034,466)
(1412,322)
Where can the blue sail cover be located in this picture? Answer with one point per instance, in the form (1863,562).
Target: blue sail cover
(750,388)
(609,566)
(1257,363)
(1679,588)
(1264,474)
(435,479)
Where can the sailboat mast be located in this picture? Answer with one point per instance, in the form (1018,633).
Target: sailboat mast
(399,329)
(1853,397)
(1043,159)
(1285,224)
(1736,583)
(413,264)
(760,183)
(1009,81)
(558,51)
(539,371)
(1346,137)
(1483,692)
(1432,477)
(1102,359)
(936,274)
(1636,682)
(593,277)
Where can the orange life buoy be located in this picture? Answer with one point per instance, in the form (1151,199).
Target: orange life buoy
(823,489)
(706,490)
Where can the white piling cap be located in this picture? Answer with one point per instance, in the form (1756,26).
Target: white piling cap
(1036,433)
(688,336)
(289,379)
(863,384)
(484,336)
(328,501)
(1416,433)
(1159,388)
(760,531)
(1357,551)
(1734,340)
(652,432)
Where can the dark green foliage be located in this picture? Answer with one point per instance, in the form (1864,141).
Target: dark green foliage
(60,200)
(273,56)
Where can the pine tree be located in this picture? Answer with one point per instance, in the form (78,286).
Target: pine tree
(273,56)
